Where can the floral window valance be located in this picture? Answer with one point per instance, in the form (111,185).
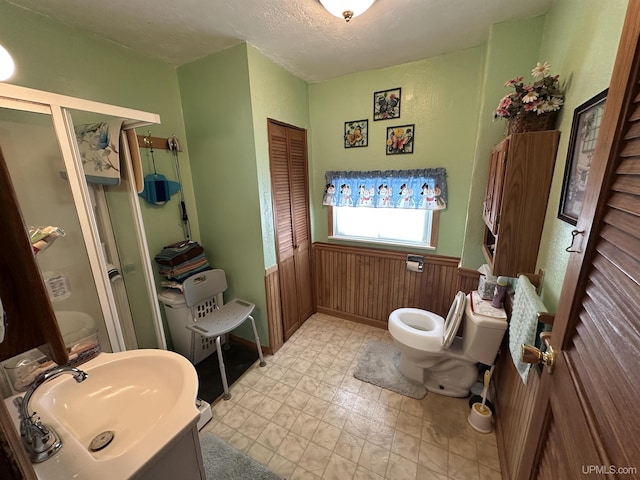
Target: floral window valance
(421,189)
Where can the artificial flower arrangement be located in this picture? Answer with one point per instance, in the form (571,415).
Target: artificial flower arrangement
(542,96)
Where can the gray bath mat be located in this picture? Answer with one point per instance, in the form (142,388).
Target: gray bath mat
(224,462)
(378,365)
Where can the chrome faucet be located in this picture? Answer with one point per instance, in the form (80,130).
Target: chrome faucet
(40,440)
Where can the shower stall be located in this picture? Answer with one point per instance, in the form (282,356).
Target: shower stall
(100,268)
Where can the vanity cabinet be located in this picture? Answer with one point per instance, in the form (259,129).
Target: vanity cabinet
(518,183)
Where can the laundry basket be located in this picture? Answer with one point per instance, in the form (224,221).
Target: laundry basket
(178,316)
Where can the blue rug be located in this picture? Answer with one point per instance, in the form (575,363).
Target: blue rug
(224,462)
(378,365)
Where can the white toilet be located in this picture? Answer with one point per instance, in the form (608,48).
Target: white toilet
(430,352)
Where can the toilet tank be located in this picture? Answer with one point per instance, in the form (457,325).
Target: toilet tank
(482,335)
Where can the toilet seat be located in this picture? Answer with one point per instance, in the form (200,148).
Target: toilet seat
(419,329)
(454,317)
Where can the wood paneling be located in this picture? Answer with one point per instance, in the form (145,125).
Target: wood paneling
(467,279)
(367,284)
(274,311)
(514,407)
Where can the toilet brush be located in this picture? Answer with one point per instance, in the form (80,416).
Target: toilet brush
(480,415)
(485,389)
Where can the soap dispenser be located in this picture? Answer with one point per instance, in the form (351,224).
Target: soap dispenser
(500,292)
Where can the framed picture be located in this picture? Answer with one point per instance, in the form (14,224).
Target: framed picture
(386,104)
(582,143)
(400,139)
(356,133)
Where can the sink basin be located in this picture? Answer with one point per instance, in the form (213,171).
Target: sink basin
(142,398)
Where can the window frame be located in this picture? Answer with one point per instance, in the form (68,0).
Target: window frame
(433,240)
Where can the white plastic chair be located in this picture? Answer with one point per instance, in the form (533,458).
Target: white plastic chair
(211,317)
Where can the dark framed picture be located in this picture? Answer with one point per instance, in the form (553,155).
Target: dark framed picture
(400,139)
(386,104)
(582,143)
(356,133)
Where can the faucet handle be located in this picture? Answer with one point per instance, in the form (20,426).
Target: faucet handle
(38,424)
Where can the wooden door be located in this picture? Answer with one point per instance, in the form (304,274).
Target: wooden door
(585,421)
(289,185)
(29,320)
(495,182)
(301,225)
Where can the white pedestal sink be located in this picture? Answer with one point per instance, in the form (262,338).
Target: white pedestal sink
(138,407)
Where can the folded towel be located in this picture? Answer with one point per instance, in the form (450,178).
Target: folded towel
(172,271)
(524,322)
(99,145)
(183,276)
(177,253)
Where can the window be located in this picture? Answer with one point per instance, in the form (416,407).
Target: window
(397,226)
(392,206)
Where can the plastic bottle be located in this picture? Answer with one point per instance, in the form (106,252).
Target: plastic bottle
(500,292)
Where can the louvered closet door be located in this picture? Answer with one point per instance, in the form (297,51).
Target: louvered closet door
(301,227)
(587,414)
(288,163)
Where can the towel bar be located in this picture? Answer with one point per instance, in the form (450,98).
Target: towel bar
(535,279)
(546,318)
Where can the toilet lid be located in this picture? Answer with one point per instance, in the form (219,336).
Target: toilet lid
(454,317)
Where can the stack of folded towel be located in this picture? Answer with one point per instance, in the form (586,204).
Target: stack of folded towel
(180,260)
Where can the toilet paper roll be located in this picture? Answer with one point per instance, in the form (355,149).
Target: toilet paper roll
(414,267)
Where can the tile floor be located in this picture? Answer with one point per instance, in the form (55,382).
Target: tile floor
(305,416)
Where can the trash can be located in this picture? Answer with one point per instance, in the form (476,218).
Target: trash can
(178,315)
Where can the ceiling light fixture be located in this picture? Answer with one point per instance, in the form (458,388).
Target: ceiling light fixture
(6,64)
(346,9)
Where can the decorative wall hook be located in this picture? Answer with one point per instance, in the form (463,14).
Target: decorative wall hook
(574,234)
(147,140)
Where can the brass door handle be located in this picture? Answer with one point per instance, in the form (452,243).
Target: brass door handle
(529,354)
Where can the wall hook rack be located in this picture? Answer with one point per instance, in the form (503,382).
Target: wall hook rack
(147,141)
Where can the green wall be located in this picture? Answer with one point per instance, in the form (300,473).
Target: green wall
(57,58)
(440,95)
(580,41)
(278,95)
(217,110)
(227,98)
(518,42)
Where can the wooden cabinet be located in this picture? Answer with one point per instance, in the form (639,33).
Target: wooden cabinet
(493,196)
(520,173)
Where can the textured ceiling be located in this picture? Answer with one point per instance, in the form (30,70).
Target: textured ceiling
(299,35)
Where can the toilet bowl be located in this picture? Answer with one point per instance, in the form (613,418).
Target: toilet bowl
(430,352)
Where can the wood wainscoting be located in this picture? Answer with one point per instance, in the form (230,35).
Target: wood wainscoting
(274,308)
(366,284)
(514,406)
